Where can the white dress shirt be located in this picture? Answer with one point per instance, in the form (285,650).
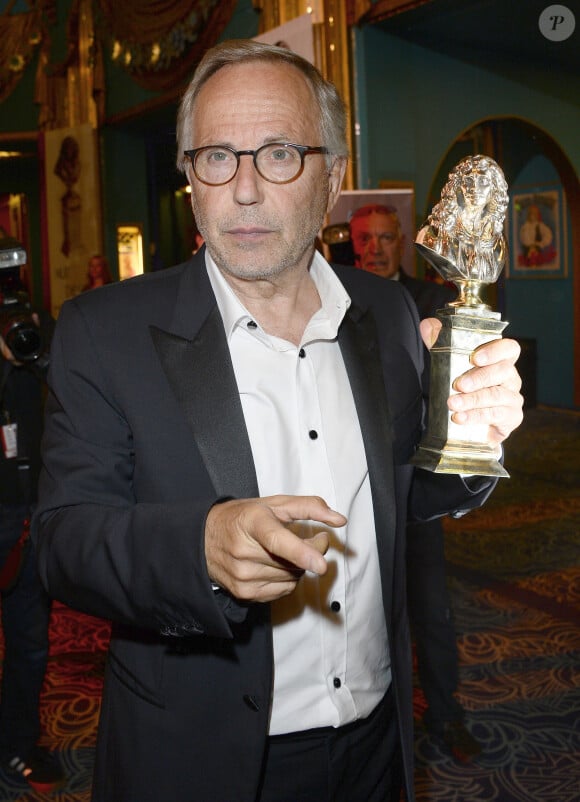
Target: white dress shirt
(331,660)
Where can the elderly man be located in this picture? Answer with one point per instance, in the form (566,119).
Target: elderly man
(226,472)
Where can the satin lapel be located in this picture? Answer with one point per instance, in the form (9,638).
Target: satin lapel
(359,346)
(201,375)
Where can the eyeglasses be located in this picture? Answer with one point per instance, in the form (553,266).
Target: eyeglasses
(277,162)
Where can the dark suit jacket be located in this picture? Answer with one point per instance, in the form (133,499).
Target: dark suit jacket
(144,433)
(428,295)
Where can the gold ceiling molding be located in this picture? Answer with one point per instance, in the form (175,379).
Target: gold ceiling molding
(159,42)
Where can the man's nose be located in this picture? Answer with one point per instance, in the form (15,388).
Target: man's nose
(247,182)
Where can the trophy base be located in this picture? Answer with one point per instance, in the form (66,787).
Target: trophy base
(448,447)
(462,458)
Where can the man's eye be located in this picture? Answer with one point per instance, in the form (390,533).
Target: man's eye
(280,155)
(218,156)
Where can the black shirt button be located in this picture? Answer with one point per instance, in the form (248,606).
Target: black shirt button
(336,682)
(312,434)
(251,324)
(335,607)
(302,353)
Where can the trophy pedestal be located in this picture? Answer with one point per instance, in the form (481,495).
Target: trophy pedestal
(449,447)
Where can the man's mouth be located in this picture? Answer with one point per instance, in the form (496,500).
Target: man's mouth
(249,231)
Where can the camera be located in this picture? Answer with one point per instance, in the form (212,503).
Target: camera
(17,326)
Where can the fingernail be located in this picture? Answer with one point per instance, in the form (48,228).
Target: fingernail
(456,402)
(317,567)
(464,384)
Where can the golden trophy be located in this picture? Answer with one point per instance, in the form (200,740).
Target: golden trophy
(464,241)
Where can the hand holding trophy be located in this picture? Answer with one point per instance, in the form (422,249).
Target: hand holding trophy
(463,239)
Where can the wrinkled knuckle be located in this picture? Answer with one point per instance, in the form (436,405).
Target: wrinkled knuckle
(489,399)
(497,414)
(242,591)
(242,571)
(271,542)
(499,394)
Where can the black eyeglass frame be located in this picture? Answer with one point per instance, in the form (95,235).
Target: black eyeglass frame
(303,150)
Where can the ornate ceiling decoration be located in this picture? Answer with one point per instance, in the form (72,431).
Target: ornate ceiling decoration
(20,35)
(159,42)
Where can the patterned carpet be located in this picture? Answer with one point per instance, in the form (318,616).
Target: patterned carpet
(514,571)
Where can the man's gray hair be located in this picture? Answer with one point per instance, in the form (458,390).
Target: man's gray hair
(240,51)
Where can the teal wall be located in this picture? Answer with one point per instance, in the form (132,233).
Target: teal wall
(412,105)
(18,112)
(124,188)
(541,309)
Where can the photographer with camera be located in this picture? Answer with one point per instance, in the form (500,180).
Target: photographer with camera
(24,337)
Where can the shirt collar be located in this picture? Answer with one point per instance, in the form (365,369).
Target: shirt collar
(324,323)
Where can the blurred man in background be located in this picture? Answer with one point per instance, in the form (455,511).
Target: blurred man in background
(378,243)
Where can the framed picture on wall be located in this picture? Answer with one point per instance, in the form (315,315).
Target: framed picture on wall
(400,198)
(537,233)
(129,250)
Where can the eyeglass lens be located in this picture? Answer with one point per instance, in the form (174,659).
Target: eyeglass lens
(275,162)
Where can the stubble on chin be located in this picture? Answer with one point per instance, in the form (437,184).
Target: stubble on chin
(268,260)
(251,264)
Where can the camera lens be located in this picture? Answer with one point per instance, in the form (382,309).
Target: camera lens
(24,340)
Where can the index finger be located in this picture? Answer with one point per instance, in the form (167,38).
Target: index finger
(303,508)
(283,544)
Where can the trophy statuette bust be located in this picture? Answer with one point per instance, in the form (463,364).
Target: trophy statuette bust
(463,240)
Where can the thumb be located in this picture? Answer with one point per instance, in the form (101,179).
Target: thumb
(430,328)
(320,541)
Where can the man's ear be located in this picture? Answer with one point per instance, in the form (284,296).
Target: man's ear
(335,178)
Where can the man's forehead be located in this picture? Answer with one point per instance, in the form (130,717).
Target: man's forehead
(252,93)
(249,104)
(375,220)
(240,71)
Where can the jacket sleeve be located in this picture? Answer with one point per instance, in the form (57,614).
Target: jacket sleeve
(100,548)
(434,494)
